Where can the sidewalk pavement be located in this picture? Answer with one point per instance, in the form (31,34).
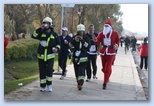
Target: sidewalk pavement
(124,84)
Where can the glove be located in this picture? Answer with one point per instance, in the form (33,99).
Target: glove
(115,46)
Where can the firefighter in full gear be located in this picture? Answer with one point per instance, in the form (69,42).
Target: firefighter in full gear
(48,46)
(80,44)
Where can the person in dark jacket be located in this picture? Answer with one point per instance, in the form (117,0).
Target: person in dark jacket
(48,46)
(92,54)
(80,44)
(64,51)
(121,40)
(127,43)
(144,54)
(133,43)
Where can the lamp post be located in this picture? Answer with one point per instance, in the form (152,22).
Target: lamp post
(62,14)
(79,14)
(72,21)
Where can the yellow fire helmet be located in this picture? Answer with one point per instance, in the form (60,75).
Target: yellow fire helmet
(47,19)
(80,27)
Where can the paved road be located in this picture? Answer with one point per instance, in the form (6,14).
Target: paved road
(143,74)
(124,84)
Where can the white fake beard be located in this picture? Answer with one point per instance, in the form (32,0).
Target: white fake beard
(106,30)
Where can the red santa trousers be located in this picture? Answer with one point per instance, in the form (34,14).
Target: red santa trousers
(107,61)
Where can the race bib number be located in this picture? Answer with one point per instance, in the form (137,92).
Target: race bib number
(77,53)
(43,43)
(92,48)
(107,41)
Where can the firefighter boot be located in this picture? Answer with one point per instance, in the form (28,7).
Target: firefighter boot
(79,87)
(49,88)
(42,89)
(80,83)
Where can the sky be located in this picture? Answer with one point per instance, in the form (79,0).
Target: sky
(135,17)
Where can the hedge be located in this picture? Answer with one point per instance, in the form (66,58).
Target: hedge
(21,49)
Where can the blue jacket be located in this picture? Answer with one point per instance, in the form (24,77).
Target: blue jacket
(64,47)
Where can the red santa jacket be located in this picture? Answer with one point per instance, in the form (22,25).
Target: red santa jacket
(5,44)
(114,40)
(144,49)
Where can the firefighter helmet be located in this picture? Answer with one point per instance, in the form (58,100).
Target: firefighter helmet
(80,27)
(47,19)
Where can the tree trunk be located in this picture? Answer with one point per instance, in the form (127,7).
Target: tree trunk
(39,13)
(24,12)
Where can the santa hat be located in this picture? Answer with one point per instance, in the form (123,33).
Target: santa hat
(108,22)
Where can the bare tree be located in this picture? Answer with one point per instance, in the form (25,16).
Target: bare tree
(28,16)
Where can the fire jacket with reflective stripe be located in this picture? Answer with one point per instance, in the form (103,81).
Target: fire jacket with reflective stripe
(85,47)
(48,41)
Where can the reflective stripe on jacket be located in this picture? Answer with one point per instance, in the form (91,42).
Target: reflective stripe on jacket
(48,41)
(80,45)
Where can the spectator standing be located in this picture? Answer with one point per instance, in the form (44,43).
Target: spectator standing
(121,40)
(133,43)
(144,54)
(23,35)
(127,43)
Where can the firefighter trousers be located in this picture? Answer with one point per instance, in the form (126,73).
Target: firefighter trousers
(80,72)
(45,71)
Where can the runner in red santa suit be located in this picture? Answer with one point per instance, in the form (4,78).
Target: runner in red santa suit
(110,42)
